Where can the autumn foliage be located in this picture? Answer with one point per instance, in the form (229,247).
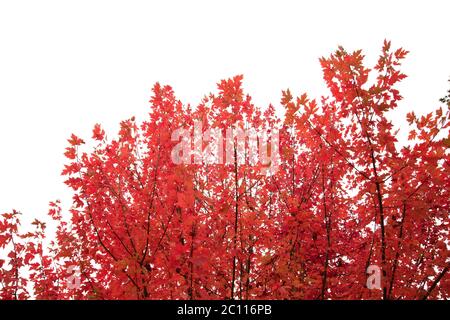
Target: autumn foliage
(346,195)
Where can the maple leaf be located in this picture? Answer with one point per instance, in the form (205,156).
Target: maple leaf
(75,141)
(410,117)
(98,133)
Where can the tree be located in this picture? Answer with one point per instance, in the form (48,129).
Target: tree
(231,201)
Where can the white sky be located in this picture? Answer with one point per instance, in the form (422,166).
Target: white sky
(66,65)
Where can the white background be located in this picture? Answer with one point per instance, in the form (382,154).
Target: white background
(66,65)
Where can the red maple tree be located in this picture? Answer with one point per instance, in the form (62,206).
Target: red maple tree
(345,196)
